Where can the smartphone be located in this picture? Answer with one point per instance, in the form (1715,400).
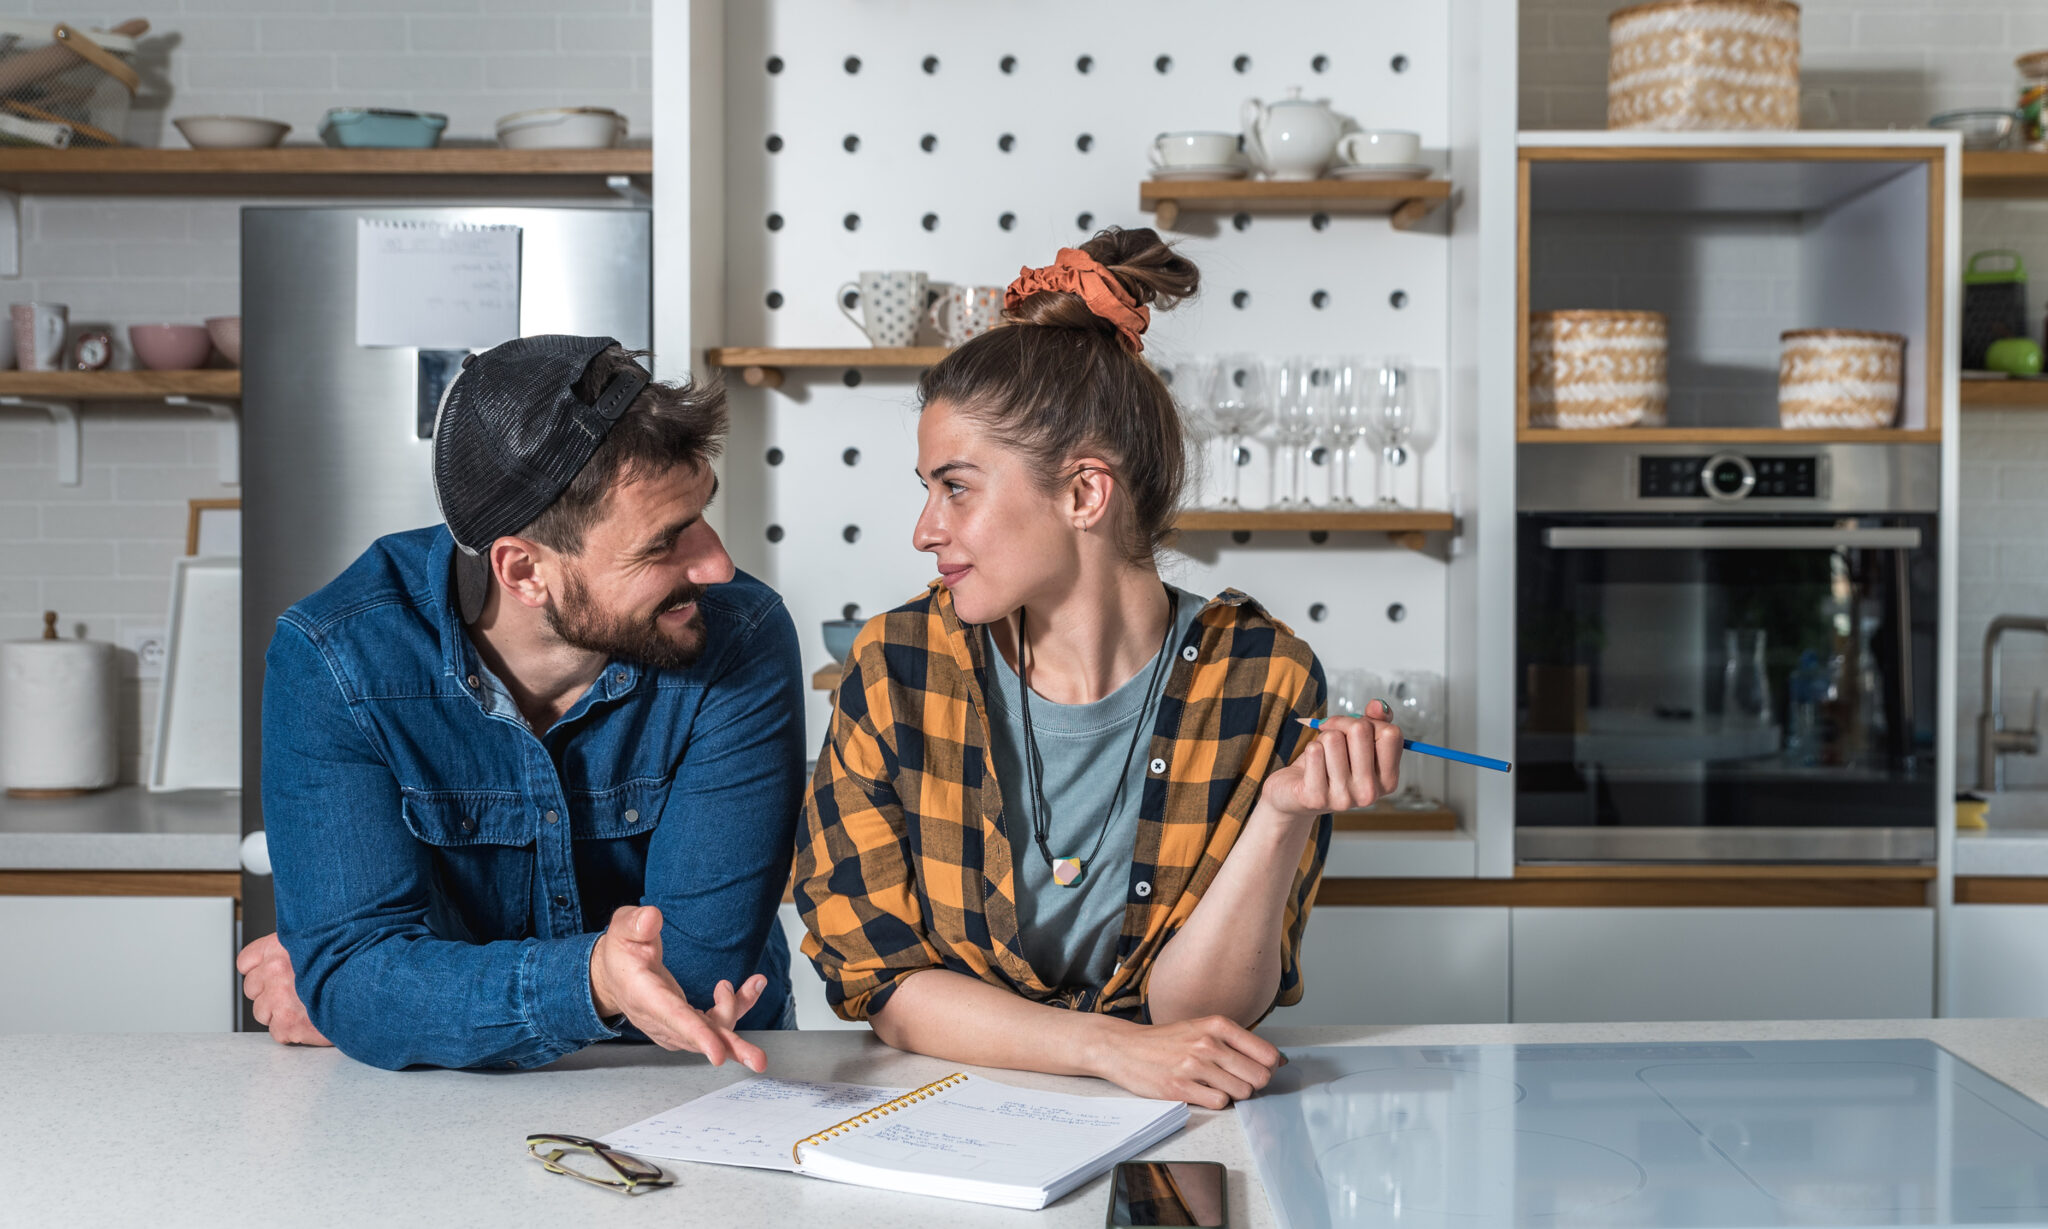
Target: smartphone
(1146,1193)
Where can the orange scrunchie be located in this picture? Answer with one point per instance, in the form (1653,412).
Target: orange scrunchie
(1076,272)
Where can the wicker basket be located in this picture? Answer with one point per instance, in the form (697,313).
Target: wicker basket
(62,86)
(1596,369)
(1840,378)
(1707,64)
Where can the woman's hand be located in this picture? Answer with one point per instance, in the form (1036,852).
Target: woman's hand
(1353,763)
(1210,1061)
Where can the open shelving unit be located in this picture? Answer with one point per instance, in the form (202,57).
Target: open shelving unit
(319,171)
(763,366)
(60,394)
(1405,202)
(2015,394)
(2005,172)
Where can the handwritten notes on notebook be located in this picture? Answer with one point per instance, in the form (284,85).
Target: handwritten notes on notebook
(436,285)
(751,1123)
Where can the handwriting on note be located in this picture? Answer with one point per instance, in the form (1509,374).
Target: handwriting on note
(752,1123)
(436,285)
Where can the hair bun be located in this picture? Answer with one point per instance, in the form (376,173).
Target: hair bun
(1142,264)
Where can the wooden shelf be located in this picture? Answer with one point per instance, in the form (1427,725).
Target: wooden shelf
(2005,172)
(826,678)
(121,385)
(1405,201)
(762,366)
(1724,435)
(1378,818)
(319,171)
(2015,394)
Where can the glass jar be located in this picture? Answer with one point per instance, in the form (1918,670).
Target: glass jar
(2033,104)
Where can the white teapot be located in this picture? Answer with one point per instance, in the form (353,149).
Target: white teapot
(1291,139)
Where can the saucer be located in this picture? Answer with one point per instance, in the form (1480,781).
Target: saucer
(1384,170)
(1215,171)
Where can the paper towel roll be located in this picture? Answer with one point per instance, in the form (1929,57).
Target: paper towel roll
(57,726)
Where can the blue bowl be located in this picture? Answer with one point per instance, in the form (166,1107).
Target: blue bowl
(378,128)
(839,634)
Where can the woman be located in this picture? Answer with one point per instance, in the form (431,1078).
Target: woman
(1059,823)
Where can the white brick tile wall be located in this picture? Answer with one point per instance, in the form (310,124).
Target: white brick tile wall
(100,553)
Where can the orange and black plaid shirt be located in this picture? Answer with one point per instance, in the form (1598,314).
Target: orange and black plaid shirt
(904,861)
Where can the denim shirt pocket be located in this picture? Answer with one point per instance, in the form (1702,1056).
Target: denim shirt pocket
(619,813)
(483,853)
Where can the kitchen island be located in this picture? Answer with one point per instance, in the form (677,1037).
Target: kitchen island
(174,1130)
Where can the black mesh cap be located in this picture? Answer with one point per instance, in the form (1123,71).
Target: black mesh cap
(511,435)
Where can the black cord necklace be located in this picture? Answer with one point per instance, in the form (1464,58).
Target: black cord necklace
(1068,872)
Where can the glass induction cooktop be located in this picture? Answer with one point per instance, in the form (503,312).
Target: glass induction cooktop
(1664,1136)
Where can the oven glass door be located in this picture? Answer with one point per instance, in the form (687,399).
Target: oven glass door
(1698,671)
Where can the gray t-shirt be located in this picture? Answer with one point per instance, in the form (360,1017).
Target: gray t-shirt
(1070,934)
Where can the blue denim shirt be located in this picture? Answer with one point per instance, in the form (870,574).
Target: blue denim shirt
(443,871)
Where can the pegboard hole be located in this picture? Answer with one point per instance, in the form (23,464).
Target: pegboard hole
(1244,452)
(1399,63)
(1320,64)
(1318,536)
(1008,221)
(851,457)
(1084,142)
(1163,65)
(1008,64)
(1084,65)
(850,611)
(774,64)
(1241,300)
(850,143)
(774,143)
(1318,455)
(852,377)
(851,221)
(775,533)
(1319,221)
(774,300)
(928,142)
(852,65)
(1085,220)
(930,221)
(1241,221)
(1319,300)
(1006,142)
(774,221)
(931,65)
(851,533)
(775,456)
(1240,536)
(1396,613)
(1399,299)
(1242,64)
(1318,612)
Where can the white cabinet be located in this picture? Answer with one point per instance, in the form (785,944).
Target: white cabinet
(1402,966)
(1722,964)
(2000,955)
(117,964)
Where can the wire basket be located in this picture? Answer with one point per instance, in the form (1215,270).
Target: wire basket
(61,86)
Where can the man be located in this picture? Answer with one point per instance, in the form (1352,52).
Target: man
(485,741)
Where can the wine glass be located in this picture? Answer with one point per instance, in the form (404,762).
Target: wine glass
(1240,401)
(1352,690)
(1189,382)
(1395,409)
(1417,698)
(1297,423)
(1344,424)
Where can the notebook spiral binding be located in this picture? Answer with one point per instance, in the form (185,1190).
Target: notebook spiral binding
(887,1107)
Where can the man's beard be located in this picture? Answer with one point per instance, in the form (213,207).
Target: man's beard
(579,622)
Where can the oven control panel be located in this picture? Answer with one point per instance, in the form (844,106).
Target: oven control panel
(1727,477)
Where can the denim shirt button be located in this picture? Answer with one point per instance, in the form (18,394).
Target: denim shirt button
(619,678)
(561,902)
(551,817)
(468,824)
(474,681)
(632,817)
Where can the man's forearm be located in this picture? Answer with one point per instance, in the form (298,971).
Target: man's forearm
(1226,959)
(958,1018)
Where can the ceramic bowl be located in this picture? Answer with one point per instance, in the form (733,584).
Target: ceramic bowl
(170,347)
(226,332)
(562,128)
(1982,127)
(231,131)
(839,634)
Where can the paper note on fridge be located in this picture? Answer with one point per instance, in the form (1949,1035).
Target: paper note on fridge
(436,285)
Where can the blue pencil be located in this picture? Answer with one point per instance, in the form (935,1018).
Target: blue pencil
(1442,753)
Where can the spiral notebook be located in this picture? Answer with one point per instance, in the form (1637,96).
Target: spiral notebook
(963,1137)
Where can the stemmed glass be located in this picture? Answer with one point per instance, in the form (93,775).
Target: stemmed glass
(1302,399)
(1189,382)
(1394,407)
(1344,423)
(1240,401)
(1352,690)
(1417,698)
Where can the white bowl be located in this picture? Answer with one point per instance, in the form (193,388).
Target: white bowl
(562,128)
(231,131)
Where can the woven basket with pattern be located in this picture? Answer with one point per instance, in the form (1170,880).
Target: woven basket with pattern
(1840,378)
(1597,369)
(1704,64)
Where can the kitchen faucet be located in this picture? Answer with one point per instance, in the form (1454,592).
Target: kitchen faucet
(1993,739)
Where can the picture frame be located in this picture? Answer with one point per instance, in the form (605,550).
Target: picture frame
(213,527)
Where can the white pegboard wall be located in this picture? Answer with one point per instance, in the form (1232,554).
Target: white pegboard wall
(873,136)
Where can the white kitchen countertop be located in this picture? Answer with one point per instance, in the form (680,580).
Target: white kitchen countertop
(232,1129)
(126,828)
(2016,843)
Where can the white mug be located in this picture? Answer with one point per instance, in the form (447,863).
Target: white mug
(963,313)
(1171,149)
(39,330)
(1380,148)
(891,304)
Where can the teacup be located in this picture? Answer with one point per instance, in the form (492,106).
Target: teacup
(1383,147)
(963,313)
(891,304)
(1170,149)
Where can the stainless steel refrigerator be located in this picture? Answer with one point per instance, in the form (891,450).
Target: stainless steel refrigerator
(336,436)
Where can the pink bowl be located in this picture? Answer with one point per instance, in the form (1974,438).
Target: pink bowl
(170,347)
(226,332)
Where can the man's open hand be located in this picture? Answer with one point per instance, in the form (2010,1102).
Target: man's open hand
(274,993)
(628,978)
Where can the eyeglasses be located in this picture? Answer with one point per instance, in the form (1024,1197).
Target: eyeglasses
(620,1172)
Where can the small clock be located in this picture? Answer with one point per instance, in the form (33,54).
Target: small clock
(91,351)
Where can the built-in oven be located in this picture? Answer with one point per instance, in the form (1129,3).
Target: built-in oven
(1726,654)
